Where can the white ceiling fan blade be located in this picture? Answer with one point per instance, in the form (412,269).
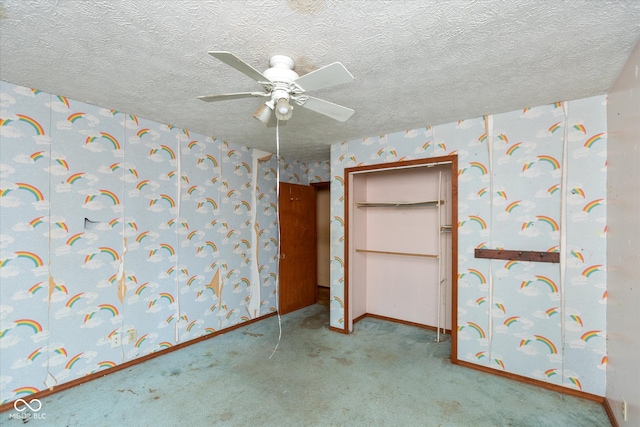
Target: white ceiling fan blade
(237,63)
(327,108)
(330,75)
(226,96)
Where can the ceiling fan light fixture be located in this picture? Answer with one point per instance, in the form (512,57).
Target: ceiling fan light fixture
(264,112)
(284,110)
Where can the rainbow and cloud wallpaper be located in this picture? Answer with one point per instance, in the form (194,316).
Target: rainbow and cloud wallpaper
(111,222)
(531,179)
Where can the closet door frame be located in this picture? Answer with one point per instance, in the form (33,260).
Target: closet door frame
(432,161)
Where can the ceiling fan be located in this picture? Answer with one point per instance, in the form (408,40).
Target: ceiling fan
(283,86)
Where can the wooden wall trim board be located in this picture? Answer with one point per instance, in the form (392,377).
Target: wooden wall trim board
(339,330)
(527,380)
(359,318)
(453,161)
(404,322)
(65,386)
(534,256)
(454,263)
(323,184)
(610,414)
(345,297)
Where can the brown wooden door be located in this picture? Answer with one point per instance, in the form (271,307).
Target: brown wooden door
(297,205)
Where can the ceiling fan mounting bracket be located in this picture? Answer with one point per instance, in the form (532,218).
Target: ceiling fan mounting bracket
(281,61)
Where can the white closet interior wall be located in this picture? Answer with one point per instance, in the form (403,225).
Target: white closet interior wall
(400,286)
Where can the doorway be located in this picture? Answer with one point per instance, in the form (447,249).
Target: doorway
(297,216)
(323,241)
(401,244)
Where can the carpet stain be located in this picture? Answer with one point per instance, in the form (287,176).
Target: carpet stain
(226,416)
(316,321)
(316,351)
(449,406)
(253,335)
(343,361)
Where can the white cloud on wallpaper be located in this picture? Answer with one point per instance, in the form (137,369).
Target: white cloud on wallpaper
(24,91)
(6,101)
(5,310)
(19,295)
(57,170)
(94,147)
(6,170)
(10,132)
(56,106)
(57,233)
(64,125)
(9,341)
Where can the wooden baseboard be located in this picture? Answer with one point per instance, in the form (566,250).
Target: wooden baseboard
(65,386)
(339,330)
(610,414)
(359,318)
(553,387)
(404,322)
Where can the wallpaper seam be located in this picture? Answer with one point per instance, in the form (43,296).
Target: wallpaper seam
(178,204)
(121,289)
(489,132)
(51,281)
(563,234)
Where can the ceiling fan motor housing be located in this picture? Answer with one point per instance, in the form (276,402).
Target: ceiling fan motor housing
(281,69)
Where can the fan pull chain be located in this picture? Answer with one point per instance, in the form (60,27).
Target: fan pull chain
(278,204)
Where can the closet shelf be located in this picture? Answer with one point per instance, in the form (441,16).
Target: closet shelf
(398,253)
(399,204)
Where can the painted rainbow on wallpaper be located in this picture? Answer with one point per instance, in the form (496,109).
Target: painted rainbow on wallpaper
(30,323)
(31,189)
(595,138)
(37,261)
(31,121)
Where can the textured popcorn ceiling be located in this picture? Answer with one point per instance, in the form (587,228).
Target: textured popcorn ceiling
(415,62)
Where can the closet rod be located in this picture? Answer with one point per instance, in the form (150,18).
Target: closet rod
(398,253)
(399,204)
(430,165)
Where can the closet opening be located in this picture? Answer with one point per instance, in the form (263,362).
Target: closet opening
(401,244)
